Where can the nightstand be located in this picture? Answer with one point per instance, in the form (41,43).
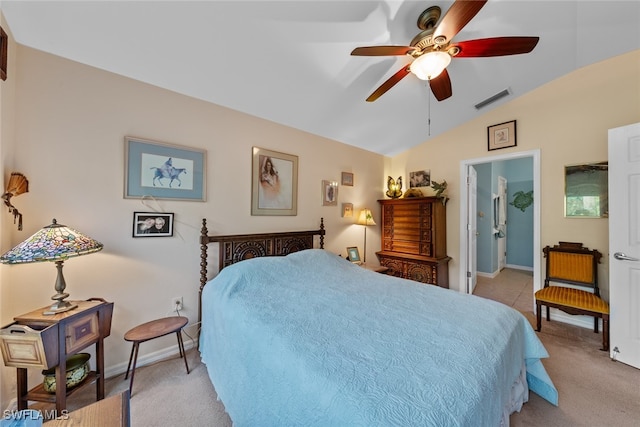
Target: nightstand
(376,268)
(36,340)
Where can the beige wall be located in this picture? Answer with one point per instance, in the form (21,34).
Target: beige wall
(7,101)
(567,120)
(70,123)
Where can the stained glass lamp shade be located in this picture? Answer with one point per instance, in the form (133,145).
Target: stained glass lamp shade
(55,243)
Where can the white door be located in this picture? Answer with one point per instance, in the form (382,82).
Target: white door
(624,243)
(502,222)
(472,230)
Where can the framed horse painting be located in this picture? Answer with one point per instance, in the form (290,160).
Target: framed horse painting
(163,171)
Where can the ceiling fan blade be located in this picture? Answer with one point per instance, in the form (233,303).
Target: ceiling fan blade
(458,15)
(391,82)
(496,46)
(441,86)
(382,50)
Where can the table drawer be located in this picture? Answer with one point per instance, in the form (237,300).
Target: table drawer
(81,332)
(25,347)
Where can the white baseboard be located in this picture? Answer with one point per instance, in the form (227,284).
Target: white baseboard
(488,275)
(519,267)
(576,320)
(147,359)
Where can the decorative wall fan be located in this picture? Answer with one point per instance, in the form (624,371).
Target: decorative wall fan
(432,49)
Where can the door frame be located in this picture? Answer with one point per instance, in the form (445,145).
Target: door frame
(464,212)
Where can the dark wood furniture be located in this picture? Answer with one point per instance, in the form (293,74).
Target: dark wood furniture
(414,239)
(573,264)
(36,340)
(112,411)
(238,247)
(375,268)
(152,330)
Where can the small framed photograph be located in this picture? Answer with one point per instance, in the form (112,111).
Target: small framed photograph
(502,135)
(420,179)
(347,210)
(274,183)
(329,193)
(347,179)
(163,171)
(152,224)
(353,255)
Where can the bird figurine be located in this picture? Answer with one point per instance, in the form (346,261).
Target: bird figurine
(394,188)
(440,189)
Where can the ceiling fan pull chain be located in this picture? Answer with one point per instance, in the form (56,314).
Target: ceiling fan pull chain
(429,106)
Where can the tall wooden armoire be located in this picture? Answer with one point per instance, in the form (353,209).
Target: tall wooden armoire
(414,239)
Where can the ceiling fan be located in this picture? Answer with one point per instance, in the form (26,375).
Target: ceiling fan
(432,49)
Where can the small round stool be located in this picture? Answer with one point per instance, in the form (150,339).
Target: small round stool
(151,330)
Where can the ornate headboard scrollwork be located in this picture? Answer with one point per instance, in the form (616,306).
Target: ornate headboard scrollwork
(235,248)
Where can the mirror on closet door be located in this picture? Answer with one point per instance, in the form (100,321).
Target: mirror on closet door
(586,192)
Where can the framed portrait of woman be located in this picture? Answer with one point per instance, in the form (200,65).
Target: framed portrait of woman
(274,183)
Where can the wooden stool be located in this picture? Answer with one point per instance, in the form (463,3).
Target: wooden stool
(151,330)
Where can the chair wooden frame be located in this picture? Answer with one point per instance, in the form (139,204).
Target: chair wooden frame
(573,264)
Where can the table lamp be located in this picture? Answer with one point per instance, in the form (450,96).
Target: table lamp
(55,243)
(365,218)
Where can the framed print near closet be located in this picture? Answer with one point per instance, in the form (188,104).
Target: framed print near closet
(502,135)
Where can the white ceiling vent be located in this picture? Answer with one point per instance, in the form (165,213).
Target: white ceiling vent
(492,99)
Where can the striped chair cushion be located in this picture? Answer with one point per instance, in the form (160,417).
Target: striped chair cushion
(574,298)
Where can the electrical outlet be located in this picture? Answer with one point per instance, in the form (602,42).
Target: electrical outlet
(176,303)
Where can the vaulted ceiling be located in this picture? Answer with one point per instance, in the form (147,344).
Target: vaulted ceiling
(289,61)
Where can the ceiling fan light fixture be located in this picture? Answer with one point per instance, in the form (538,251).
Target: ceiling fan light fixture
(430,65)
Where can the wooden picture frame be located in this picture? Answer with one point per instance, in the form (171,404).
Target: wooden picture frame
(274,183)
(347,210)
(502,135)
(353,255)
(329,193)
(4,47)
(164,171)
(347,179)
(152,224)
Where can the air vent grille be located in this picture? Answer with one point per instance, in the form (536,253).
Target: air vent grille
(492,99)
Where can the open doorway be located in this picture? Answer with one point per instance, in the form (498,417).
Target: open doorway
(467,244)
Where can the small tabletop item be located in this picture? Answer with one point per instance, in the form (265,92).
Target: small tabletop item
(77,371)
(151,330)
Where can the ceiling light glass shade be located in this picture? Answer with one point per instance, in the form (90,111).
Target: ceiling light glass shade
(365,218)
(430,65)
(52,243)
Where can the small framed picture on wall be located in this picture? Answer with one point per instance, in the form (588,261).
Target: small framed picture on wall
(502,135)
(347,179)
(152,224)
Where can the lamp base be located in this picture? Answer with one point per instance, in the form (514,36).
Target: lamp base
(60,307)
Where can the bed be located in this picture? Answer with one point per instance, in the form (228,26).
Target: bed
(310,339)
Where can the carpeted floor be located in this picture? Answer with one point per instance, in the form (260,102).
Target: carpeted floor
(593,390)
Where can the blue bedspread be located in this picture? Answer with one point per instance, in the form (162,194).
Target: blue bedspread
(312,340)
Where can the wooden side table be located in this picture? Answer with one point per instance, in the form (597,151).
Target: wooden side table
(376,268)
(152,330)
(36,340)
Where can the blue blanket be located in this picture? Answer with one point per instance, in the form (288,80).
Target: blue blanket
(312,340)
